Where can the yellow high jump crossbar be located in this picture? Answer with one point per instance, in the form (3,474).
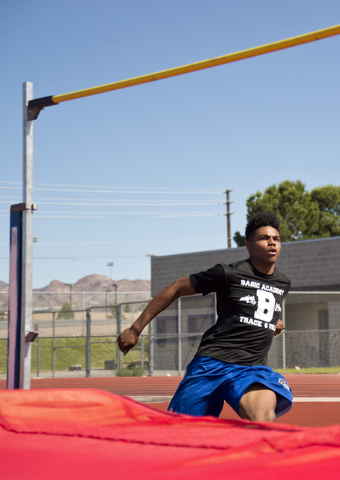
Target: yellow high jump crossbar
(34,106)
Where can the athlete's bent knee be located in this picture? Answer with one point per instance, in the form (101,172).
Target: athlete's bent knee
(267,415)
(258,404)
(257,414)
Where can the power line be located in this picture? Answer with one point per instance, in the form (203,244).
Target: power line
(134,216)
(176,189)
(144,203)
(10,196)
(130,242)
(127,203)
(152,190)
(124,213)
(158,204)
(101,200)
(168,191)
(80,258)
(128,216)
(98,216)
(118,214)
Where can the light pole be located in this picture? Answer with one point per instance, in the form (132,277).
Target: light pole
(228,214)
(107,291)
(110,264)
(70,285)
(114,285)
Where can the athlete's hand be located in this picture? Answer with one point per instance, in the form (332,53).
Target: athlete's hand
(128,339)
(279,327)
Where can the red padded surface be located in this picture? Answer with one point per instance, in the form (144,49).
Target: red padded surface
(89,434)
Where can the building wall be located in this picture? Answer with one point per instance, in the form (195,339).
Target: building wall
(310,264)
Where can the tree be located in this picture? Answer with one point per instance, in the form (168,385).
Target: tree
(302,214)
(66,312)
(113,310)
(239,239)
(328,199)
(127,308)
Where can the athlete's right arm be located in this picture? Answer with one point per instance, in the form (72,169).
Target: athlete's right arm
(160,302)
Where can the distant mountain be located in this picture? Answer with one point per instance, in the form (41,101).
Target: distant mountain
(4,286)
(90,283)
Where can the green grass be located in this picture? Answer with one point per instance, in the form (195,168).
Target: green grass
(136,371)
(3,356)
(328,370)
(71,351)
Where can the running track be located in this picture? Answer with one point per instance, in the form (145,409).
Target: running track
(317,397)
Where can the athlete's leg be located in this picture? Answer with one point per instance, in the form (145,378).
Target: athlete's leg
(201,392)
(258,404)
(197,397)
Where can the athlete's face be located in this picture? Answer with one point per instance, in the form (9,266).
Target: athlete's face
(264,248)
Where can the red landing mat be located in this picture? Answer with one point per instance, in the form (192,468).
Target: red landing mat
(90,434)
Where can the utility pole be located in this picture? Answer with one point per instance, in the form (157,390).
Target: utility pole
(228,214)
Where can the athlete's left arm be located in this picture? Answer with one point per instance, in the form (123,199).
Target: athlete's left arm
(279,327)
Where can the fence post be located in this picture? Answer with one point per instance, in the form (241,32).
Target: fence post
(151,365)
(284,335)
(119,328)
(38,357)
(179,336)
(53,353)
(133,307)
(82,315)
(88,343)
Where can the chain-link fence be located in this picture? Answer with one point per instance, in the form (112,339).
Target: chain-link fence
(311,338)
(47,303)
(84,342)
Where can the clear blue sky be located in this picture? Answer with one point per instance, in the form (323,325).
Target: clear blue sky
(242,126)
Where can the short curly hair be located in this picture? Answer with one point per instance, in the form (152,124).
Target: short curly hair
(261,219)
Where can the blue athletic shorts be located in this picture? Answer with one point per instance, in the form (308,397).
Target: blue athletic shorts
(209,382)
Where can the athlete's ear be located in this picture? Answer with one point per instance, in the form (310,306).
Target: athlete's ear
(250,246)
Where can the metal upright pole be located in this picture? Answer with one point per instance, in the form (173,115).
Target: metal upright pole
(133,307)
(53,353)
(88,343)
(82,320)
(284,335)
(27,240)
(142,351)
(38,357)
(179,333)
(151,364)
(119,331)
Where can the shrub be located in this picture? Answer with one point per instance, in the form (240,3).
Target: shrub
(66,311)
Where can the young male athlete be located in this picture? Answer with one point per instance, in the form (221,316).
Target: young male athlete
(230,364)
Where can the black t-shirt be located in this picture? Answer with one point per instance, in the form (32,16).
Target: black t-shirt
(249,304)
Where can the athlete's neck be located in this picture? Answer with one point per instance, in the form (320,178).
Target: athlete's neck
(266,268)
